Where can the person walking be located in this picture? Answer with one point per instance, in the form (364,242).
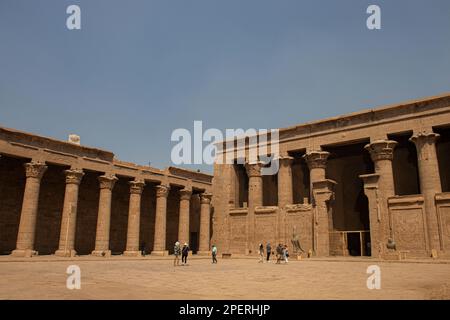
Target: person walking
(184,253)
(214,253)
(268,251)
(176,253)
(286,253)
(261,253)
(279,253)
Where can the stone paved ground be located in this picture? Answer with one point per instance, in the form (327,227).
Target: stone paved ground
(230,279)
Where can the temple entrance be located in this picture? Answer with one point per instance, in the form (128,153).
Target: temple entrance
(194,242)
(349,226)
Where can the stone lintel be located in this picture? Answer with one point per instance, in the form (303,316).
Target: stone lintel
(406,200)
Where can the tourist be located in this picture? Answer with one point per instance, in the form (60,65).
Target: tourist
(268,251)
(279,253)
(184,253)
(143,248)
(214,253)
(261,252)
(286,253)
(176,252)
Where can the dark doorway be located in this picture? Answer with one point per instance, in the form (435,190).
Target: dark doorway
(354,244)
(443,154)
(300,178)
(404,165)
(194,242)
(241,186)
(350,207)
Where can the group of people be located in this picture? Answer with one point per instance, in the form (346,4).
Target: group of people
(184,252)
(281,251)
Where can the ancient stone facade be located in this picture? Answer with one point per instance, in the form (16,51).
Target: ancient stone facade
(65,199)
(372,183)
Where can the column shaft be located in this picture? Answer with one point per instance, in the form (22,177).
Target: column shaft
(104,215)
(183,224)
(69,215)
(285,195)
(27,226)
(134,217)
(255,199)
(322,191)
(382,154)
(159,243)
(205,218)
(430,184)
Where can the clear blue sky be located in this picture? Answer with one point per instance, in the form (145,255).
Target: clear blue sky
(137,70)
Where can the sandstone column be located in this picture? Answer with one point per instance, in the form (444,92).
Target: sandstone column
(322,191)
(183,224)
(285,181)
(285,195)
(317,163)
(107,183)
(205,218)
(134,218)
(430,184)
(372,193)
(255,199)
(382,153)
(69,214)
(27,226)
(159,243)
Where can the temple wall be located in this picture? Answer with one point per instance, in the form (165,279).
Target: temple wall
(409,224)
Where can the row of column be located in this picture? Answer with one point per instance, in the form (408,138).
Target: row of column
(380,186)
(27,226)
(322,189)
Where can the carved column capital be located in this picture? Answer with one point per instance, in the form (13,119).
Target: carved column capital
(74,176)
(381,149)
(107,181)
(253,169)
(35,170)
(422,138)
(136,186)
(285,161)
(185,194)
(162,191)
(205,198)
(316,159)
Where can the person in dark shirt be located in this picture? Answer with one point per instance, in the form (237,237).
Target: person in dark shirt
(268,251)
(184,253)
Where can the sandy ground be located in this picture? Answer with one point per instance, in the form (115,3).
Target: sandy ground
(229,279)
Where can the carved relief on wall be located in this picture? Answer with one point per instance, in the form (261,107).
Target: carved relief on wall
(238,234)
(266,228)
(409,232)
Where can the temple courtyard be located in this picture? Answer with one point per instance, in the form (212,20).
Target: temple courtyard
(45,277)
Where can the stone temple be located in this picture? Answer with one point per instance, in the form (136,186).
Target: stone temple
(372,183)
